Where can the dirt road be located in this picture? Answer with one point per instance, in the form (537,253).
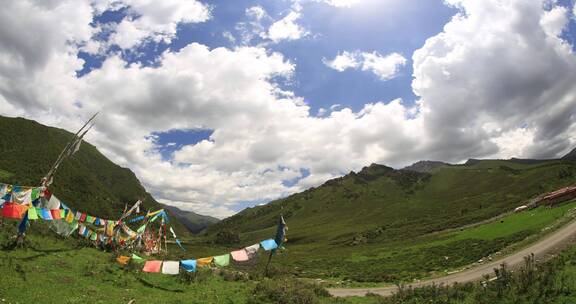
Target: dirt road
(542,249)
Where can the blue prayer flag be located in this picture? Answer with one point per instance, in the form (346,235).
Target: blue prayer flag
(280,232)
(136,219)
(45,214)
(23,224)
(269,244)
(189,265)
(180,244)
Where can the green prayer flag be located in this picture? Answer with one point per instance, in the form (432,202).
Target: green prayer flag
(35,194)
(32,214)
(222,260)
(94,236)
(62,213)
(137,259)
(141,229)
(88,219)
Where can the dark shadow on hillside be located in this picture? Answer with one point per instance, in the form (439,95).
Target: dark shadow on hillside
(148,284)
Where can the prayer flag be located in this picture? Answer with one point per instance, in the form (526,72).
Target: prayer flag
(53,203)
(280,232)
(70,216)
(136,219)
(13,210)
(55,214)
(110,228)
(141,229)
(170,267)
(35,194)
(180,244)
(81,229)
(123,260)
(89,219)
(252,251)
(78,215)
(22,197)
(222,260)
(23,224)
(62,213)
(189,265)
(94,236)
(45,214)
(97,222)
(82,217)
(269,244)
(152,266)
(137,259)
(239,255)
(204,261)
(32,214)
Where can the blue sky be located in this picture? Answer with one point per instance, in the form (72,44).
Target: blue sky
(221,105)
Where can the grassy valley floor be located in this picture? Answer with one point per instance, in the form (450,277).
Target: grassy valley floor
(430,255)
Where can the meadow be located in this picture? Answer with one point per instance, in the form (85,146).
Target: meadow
(55,270)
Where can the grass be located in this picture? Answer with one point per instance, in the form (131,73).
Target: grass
(553,282)
(423,257)
(52,270)
(4,174)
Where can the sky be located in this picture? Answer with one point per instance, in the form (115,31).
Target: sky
(219,105)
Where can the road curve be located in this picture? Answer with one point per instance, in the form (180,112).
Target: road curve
(542,249)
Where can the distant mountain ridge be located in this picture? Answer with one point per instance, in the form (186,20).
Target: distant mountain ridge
(195,222)
(425,166)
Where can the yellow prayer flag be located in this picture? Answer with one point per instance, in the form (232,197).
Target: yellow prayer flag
(204,261)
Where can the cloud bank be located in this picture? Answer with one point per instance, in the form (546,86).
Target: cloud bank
(485,89)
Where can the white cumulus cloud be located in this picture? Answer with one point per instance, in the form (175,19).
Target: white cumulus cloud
(155,20)
(343,61)
(385,67)
(287,28)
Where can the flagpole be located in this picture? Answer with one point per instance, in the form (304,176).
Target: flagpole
(47,180)
(279,239)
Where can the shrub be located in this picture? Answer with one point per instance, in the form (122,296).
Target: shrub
(227,237)
(287,291)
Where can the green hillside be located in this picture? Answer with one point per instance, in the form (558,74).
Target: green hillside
(373,225)
(570,156)
(88,181)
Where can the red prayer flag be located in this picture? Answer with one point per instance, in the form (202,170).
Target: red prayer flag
(55,214)
(82,217)
(152,266)
(13,210)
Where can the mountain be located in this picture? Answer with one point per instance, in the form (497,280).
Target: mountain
(425,166)
(87,181)
(193,221)
(570,156)
(380,196)
(382,224)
